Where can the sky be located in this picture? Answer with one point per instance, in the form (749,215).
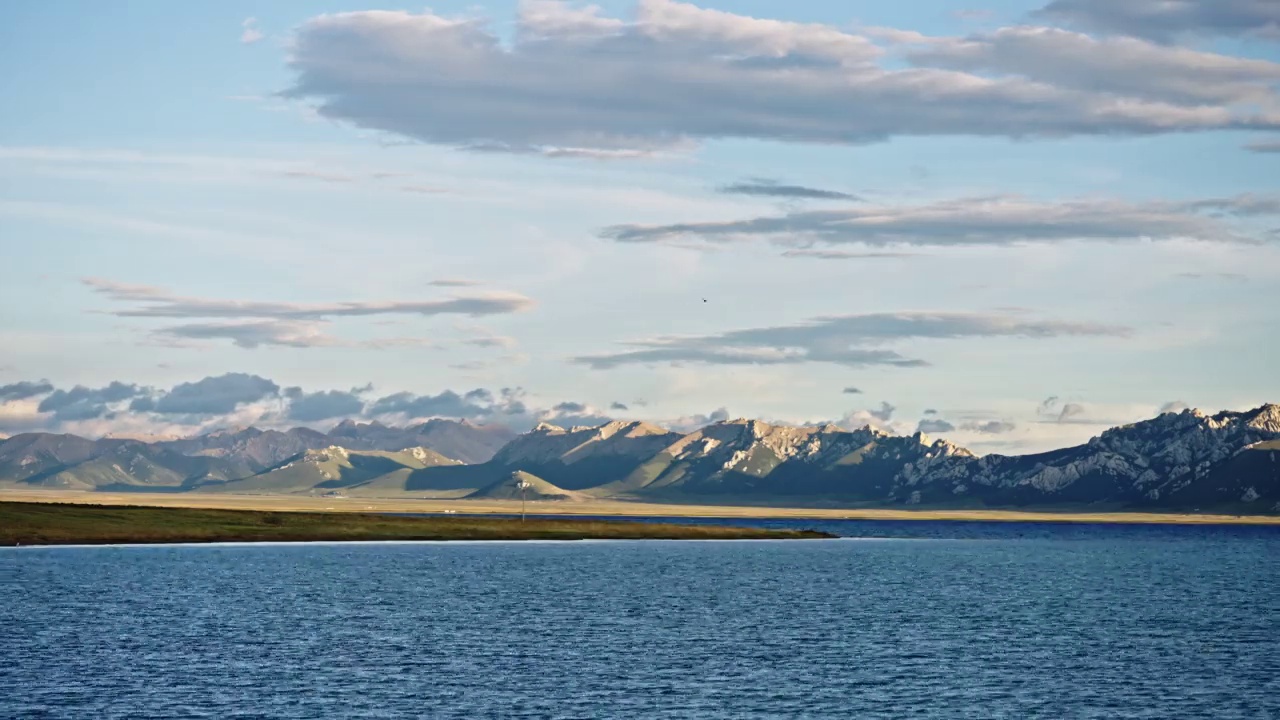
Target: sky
(1010,224)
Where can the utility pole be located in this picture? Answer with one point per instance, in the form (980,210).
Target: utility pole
(523,485)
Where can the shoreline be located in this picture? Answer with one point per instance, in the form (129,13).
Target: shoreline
(606,508)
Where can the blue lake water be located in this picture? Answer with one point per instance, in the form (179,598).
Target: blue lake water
(955,620)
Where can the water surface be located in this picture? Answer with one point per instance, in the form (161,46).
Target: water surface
(966,620)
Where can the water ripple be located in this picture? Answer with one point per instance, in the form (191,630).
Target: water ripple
(1114,625)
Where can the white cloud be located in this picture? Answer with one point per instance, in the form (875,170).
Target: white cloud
(576,82)
(690,423)
(1055,410)
(933,426)
(880,419)
(250,33)
(17,416)
(988,427)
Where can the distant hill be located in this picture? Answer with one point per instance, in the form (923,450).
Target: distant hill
(1190,460)
(264,448)
(255,448)
(240,460)
(460,440)
(74,463)
(585,458)
(336,468)
(535,489)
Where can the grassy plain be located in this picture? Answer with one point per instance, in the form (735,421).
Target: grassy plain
(65,523)
(282,503)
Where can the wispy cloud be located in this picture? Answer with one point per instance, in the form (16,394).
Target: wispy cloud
(1054,409)
(989,427)
(1213,276)
(154,301)
(318,175)
(764,187)
(392,343)
(589,153)
(1165,21)
(252,324)
(934,426)
(852,340)
(79,215)
(251,334)
(116,164)
(491,341)
(1264,146)
(973,14)
(250,33)
(845,254)
(479,336)
(1002,220)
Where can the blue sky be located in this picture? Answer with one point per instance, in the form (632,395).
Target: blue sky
(1037,215)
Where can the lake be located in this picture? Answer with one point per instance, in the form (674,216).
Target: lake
(920,620)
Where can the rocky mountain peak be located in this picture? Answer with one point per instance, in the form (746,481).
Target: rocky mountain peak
(941,447)
(642,429)
(1265,419)
(950,449)
(869,431)
(628,429)
(239,431)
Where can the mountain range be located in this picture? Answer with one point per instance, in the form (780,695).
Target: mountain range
(1229,461)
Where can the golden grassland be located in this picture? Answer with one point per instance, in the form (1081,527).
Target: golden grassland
(296,503)
(67,523)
